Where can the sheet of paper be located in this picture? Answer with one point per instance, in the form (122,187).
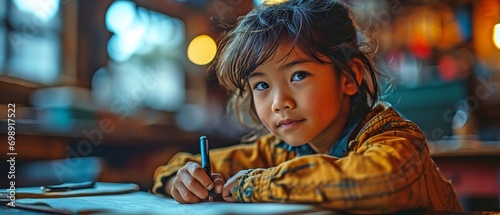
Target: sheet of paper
(146,203)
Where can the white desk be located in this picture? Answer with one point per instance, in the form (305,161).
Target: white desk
(146,203)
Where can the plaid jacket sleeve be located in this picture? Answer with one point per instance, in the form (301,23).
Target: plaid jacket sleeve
(383,173)
(226,161)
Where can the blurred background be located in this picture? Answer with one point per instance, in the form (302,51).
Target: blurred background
(109,90)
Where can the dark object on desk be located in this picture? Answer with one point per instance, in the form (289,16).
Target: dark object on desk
(100,188)
(68,186)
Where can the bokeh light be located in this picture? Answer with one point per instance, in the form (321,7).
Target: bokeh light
(138,31)
(120,15)
(448,68)
(202,50)
(496,35)
(268,2)
(44,10)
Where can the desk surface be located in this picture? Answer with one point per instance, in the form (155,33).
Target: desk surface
(146,203)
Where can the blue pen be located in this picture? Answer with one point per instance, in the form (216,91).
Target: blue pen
(205,163)
(205,156)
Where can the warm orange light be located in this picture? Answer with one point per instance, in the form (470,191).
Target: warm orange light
(202,50)
(496,35)
(485,17)
(272,2)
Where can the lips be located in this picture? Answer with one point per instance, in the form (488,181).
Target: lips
(289,123)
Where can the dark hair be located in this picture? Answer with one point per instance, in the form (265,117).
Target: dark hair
(317,27)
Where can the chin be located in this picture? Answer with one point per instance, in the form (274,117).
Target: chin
(293,138)
(294,141)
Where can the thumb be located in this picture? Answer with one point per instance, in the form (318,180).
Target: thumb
(227,192)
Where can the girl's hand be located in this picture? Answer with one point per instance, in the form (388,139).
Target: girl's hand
(191,184)
(227,192)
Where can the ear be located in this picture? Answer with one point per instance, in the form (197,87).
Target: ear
(349,85)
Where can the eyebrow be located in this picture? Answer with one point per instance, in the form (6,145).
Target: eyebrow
(288,65)
(295,62)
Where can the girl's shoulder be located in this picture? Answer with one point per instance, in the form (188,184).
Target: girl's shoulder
(382,118)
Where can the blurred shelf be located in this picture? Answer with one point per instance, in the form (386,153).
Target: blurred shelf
(464,148)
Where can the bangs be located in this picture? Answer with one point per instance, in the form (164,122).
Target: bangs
(254,49)
(259,34)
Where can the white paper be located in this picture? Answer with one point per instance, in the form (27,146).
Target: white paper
(146,203)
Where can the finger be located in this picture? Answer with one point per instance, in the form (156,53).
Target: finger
(192,184)
(227,192)
(177,196)
(217,176)
(168,185)
(187,195)
(218,182)
(199,174)
(175,192)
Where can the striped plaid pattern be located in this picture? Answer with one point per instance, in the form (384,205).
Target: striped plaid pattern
(387,168)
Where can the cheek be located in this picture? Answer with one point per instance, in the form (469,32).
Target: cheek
(321,97)
(323,103)
(262,109)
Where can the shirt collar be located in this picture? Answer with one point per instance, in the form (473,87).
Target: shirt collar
(358,112)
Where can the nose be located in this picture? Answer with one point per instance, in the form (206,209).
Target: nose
(282,100)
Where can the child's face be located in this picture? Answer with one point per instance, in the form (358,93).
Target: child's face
(301,100)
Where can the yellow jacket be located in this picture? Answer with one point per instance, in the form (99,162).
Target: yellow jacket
(386,168)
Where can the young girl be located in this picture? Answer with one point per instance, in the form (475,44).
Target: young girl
(299,76)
